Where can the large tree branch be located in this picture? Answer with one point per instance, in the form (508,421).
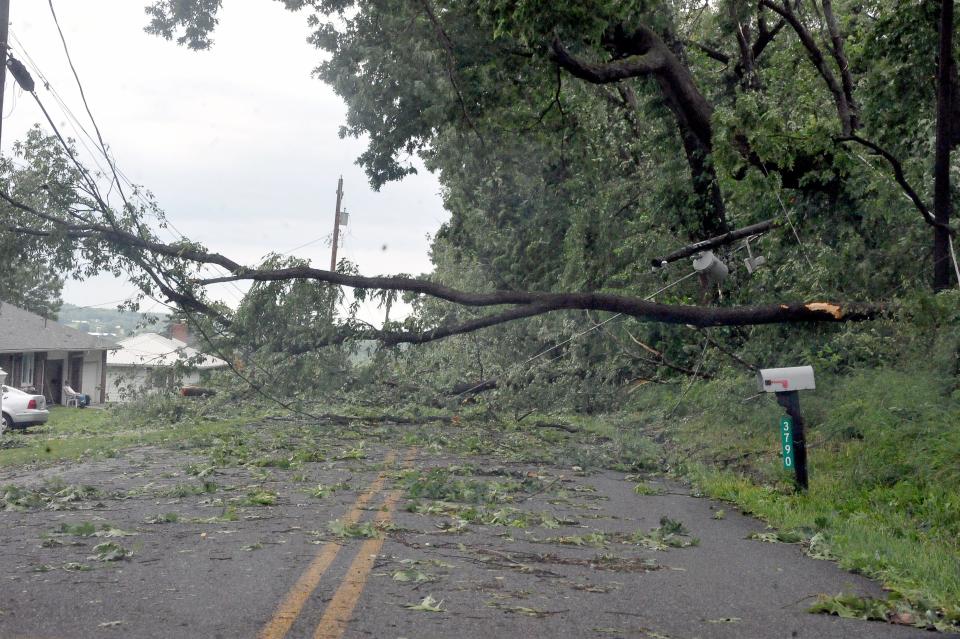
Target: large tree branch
(746,66)
(603,73)
(642,52)
(523,304)
(845,111)
(710,52)
(126,238)
(766,36)
(840,57)
(901,179)
(542,302)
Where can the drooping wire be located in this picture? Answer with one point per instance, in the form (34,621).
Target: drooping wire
(693,378)
(953,255)
(581,333)
(786,216)
(117,173)
(86,105)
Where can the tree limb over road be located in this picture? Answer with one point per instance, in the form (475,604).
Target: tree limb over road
(142,250)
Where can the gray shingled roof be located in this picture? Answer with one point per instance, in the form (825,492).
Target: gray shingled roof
(23,331)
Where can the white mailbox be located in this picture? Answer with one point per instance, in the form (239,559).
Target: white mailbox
(782,380)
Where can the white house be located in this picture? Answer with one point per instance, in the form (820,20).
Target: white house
(149,362)
(40,354)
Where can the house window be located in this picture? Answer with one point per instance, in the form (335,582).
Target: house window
(26,371)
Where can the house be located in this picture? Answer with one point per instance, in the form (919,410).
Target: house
(150,362)
(41,354)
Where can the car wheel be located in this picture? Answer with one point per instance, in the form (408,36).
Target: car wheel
(5,423)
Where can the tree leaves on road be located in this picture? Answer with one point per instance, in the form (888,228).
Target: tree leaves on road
(427,604)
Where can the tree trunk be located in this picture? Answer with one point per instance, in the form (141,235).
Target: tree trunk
(942,206)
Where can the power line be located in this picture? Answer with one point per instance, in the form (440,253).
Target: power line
(609,319)
(693,378)
(256,387)
(786,215)
(117,173)
(83,97)
(304,245)
(583,332)
(126,299)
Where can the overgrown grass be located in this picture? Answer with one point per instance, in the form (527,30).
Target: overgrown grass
(75,434)
(884,460)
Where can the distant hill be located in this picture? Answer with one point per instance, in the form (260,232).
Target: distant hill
(110,320)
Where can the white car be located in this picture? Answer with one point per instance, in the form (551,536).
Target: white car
(22,409)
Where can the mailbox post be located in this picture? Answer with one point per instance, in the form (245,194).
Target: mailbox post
(786,384)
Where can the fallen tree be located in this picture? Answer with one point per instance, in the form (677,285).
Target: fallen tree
(142,249)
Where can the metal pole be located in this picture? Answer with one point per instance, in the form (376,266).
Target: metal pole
(790,400)
(336,227)
(4,25)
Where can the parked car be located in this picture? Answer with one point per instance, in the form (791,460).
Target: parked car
(22,409)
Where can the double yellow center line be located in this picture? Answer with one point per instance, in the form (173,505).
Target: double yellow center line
(338,612)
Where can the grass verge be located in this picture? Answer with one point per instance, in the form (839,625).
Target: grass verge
(72,434)
(884,494)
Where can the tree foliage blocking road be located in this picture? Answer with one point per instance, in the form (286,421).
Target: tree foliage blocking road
(577,141)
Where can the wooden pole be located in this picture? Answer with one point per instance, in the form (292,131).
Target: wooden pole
(336,227)
(790,400)
(942,206)
(4,26)
(713,242)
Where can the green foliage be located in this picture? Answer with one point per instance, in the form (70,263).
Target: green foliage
(53,494)
(260,498)
(164,518)
(669,534)
(353,530)
(39,174)
(882,448)
(443,484)
(110,551)
(896,609)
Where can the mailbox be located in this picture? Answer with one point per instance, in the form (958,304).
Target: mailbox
(784,380)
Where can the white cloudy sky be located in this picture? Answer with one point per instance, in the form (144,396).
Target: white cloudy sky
(239,144)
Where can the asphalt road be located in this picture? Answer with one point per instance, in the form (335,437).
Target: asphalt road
(585,565)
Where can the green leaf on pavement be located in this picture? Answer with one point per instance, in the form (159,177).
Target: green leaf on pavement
(427,604)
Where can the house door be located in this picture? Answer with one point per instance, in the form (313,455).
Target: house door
(76,374)
(53,381)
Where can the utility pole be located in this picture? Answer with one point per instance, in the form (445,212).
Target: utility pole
(336,225)
(942,205)
(4,27)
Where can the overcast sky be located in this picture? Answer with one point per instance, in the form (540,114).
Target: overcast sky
(239,144)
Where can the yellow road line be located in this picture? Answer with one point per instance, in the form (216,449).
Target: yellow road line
(337,615)
(293,603)
(340,609)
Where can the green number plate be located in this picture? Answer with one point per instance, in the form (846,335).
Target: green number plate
(786,440)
